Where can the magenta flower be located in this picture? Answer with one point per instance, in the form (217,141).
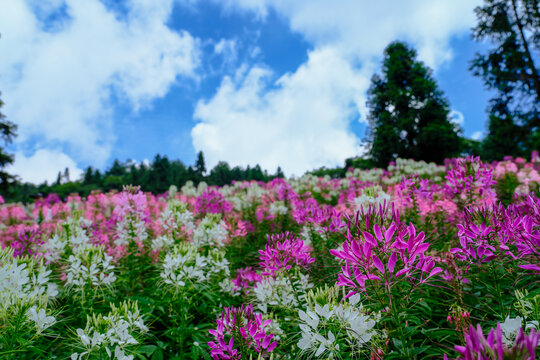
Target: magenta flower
(131,201)
(246,279)
(245,328)
(282,251)
(212,202)
(478,347)
(470,181)
(385,255)
(512,232)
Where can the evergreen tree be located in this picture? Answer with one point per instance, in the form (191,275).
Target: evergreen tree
(511,69)
(66,176)
(7,133)
(221,174)
(408,115)
(279,173)
(200,166)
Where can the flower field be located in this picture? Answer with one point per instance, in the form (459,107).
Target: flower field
(415,261)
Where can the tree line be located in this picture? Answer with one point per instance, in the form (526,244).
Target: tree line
(156,177)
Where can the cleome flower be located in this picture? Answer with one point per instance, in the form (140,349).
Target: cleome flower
(90,267)
(495,347)
(25,293)
(211,231)
(335,329)
(283,251)
(119,330)
(186,265)
(283,291)
(240,331)
(384,256)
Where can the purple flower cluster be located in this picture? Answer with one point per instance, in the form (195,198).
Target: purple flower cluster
(471,180)
(28,239)
(512,232)
(391,253)
(478,347)
(212,202)
(244,326)
(246,279)
(282,251)
(131,201)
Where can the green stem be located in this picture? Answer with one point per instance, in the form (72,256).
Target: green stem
(294,288)
(498,290)
(397,323)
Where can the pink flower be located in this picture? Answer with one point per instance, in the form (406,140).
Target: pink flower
(245,328)
(246,279)
(282,251)
(478,347)
(212,202)
(385,255)
(131,201)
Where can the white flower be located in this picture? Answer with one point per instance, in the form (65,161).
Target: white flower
(227,286)
(342,321)
(40,318)
(85,339)
(130,228)
(308,338)
(354,299)
(120,355)
(162,242)
(510,328)
(208,232)
(278,207)
(326,344)
(310,318)
(276,292)
(185,264)
(119,333)
(96,270)
(324,311)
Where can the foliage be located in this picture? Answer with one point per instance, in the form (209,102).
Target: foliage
(510,68)
(7,133)
(408,115)
(413,261)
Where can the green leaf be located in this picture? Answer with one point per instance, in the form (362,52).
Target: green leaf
(158,355)
(148,349)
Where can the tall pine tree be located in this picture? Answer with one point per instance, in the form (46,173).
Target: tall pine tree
(510,69)
(408,115)
(7,133)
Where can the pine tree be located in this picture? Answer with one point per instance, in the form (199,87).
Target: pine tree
(408,115)
(510,69)
(200,165)
(7,133)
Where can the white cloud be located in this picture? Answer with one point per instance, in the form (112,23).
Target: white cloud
(302,121)
(44,165)
(58,84)
(226,47)
(457,117)
(298,122)
(363,28)
(477,135)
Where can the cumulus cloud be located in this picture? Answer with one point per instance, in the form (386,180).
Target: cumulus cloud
(477,135)
(363,28)
(63,61)
(457,117)
(299,121)
(44,165)
(303,120)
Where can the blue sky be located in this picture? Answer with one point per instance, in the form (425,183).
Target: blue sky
(272,82)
